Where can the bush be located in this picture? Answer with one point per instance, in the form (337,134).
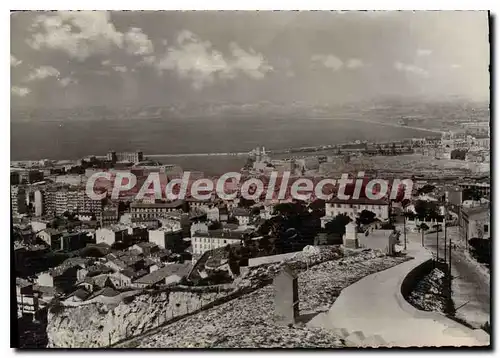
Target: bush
(55,306)
(481,250)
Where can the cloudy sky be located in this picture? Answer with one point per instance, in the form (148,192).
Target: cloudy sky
(63,59)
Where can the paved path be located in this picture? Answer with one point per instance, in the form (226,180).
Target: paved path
(470,286)
(375,306)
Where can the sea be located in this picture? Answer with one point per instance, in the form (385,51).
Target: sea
(171,138)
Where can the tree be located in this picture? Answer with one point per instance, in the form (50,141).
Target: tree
(338,224)
(245,203)
(215,225)
(423,228)
(471,194)
(366,217)
(426,210)
(232,220)
(458,154)
(426,189)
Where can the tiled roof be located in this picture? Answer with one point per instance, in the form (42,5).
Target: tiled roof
(180,270)
(362,201)
(172,204)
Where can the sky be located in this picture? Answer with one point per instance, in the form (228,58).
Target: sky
(71,59)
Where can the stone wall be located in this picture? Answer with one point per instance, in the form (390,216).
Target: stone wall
(99,324)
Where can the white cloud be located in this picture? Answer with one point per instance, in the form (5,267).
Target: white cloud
(455,66)
(120,68)
(42,72)
(147,61)
(66,81)
(354,63)
(199,62)
(329,61)
(20,91)
(78,33)
(249,62)
(412,69)
(423,52)
(14,62)
(138,43)
(106,62)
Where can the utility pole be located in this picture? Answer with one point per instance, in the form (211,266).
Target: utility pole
(437,242)
(444,229)
(404,223)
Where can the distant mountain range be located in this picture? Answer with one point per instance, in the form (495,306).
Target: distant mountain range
(407,106)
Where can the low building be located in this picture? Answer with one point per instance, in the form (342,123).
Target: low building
(167,238)
(242,215)
(74,241)
(111,235)
(145,248)
(169,274)
(51,237)
(109,217)
(213,213)
(154,210)
(62,277)
(201,241)
(474,223)
(353,207)
(27,298)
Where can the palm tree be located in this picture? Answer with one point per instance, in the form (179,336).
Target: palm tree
(423,228)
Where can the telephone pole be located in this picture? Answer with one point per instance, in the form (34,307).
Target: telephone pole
(437,242)
(445,243)
(404,224)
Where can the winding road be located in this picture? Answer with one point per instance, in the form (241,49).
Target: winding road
(470,286)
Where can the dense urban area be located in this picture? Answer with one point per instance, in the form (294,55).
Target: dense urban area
(200,273)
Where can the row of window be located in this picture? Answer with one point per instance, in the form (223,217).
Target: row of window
(355,206)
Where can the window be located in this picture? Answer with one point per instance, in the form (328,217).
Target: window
(486,228)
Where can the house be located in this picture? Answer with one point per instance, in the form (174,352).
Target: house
(201,241)
(353,207)
(242,215)
(95,283)
(474,223)
(51,237)
(105,292)
(169,274)
(132,274)
(167,238)
(154,210)
(109,217)
(197,204)
(74,241)
(111,235)
(79,295)
(61,278)
(213,213)
(145,248)
(27,299)
(223,214)
(38,225)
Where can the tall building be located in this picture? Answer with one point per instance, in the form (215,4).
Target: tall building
(71,199)
(18,200)
(132,157)
(111,156)
(15,178)
(38,203)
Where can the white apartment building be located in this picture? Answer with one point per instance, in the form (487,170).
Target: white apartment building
(353,207)
(204,241)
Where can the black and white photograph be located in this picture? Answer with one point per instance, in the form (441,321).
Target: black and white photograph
(250,179)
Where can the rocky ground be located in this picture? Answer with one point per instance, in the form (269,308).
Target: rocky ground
(429,293)
(248,322)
